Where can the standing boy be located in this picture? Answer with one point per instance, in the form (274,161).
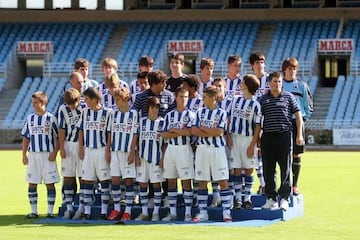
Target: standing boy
(207,66)
(69,115)
(177,62)
(151,151)
(40,140)
(82,66)
(210,158)
(179,157)
(242,137)
(93,126)
(233,78)
(303,97)
(121,152)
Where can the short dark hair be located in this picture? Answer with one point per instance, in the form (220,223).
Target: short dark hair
(81,62)
(234,58)
(153,102)
(207,62)
(274,75)
(178,56)
(289,62)
(252,83)
(146,61)
(142,74)
(156,77)
(212,91)
(192,80)
(256,56)
(92,93)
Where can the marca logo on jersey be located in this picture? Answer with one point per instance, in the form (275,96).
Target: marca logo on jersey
(147,135)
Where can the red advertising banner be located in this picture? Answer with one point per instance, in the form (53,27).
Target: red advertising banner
(34,47)
(336,45)
(185,46)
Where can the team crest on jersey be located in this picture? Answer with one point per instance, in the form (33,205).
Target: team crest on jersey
(196,107)
(129,121)
(247,111)
(281,99)
(217,117)
(186,119)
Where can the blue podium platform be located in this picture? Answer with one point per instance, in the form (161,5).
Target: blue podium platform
(296,209)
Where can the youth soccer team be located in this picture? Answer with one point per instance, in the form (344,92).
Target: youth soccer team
(139,139)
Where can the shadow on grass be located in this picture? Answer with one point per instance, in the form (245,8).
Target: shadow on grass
(20,221)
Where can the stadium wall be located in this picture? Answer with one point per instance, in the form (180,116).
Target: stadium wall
(177,15)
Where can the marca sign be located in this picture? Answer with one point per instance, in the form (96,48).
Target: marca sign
(336,45)
(185,46)
(34,47)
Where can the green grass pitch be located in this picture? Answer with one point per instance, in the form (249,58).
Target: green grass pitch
(329,181)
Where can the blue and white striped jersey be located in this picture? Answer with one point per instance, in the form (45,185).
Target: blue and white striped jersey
(216,118)
(42,131)
(68,119)
(244,115)
(202,86)
(179,120)
(277,111)
(264,86)
(134,90)
(226,103)
(94,124)
(233,86)
(194,104)
(123,126)
(107,99)
(150,140)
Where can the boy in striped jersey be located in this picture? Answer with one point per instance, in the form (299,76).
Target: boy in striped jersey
(210,158)
(207,66)
(109,67)
(233,78)
(39,149)
(151,153)
(112,83)
(146,64)
(191,83)
(93,124)
(121,153)
(179,156)
(242,137)
(69,115)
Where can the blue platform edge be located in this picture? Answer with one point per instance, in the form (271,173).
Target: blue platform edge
(296,209)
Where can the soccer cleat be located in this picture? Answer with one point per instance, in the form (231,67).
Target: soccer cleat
(284,204)
(227,217)
(85,216)
(142,217)
(215,203)
(77,215)
(238,204)
(200,217)
(114,215)
(270,204)
(103,217)
(155,217)
(32,216)
(295,191)
(187,218)
(50,215)
(247,205)
(261,190)
(169,217)
(126,216)
(68,215)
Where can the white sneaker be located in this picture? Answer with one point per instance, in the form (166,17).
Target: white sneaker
(77,215)
(151,203)
(169,217)
(227,217)
(238,204)
(137,199)
(142,217)
(68,214)
(284,204)
(187,218)
(155,218)
(270,204)
(200,217)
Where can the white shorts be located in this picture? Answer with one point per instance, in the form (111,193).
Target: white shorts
(71,165)
(179,162)
(240,158)
(119,165)
(211,163)
(94,166)
(40,169)
(149,171)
